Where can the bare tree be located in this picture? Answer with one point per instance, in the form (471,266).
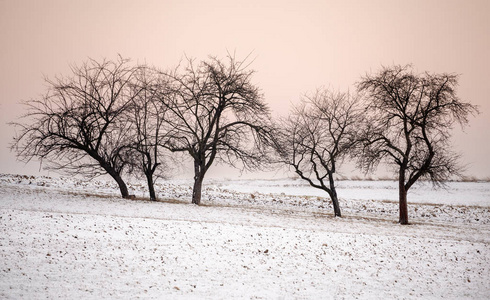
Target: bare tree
(149,112)
(316,137)
(411,116)
(78,125)
(218,115)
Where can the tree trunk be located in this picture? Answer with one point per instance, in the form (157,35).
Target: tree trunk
(122,185)
(336,206)
(151,188)
(198,179)
(115,175)
(403,202)
(196,192)
(333,196)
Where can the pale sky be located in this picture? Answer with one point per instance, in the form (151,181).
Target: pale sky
(298,46)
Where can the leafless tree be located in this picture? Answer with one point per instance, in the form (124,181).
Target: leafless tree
(218,115)
(316,137)
(148,112)
(78,125)
(411,116)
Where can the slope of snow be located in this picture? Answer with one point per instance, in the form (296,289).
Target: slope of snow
(455,193)
(65,238)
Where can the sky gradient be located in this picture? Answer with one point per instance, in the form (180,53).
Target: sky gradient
(297,46)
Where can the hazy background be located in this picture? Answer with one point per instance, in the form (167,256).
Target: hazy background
(297,45)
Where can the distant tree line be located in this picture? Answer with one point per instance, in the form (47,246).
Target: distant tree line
(113,117)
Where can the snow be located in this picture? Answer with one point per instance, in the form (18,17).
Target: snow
(456,193)
(262,239)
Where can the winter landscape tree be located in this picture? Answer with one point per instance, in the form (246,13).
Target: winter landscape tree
(316,137)
(148,113)
(410,120)
(79,126)
(218,115)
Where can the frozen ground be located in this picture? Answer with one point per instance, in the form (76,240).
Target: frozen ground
(65,238)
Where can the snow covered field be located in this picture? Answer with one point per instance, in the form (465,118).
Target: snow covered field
(66,238)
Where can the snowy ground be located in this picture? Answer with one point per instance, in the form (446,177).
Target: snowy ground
(251,240)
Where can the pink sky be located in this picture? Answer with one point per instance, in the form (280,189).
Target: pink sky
(297,45)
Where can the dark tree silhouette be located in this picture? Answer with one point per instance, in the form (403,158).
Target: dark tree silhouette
(410,119)
(218,115)
(148,112)
(78,126)
(316,137)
